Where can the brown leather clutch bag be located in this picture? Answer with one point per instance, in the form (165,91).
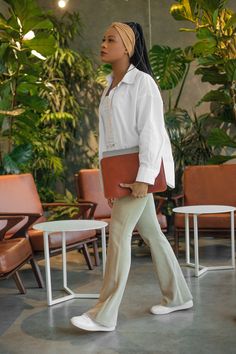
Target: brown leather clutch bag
(121,166)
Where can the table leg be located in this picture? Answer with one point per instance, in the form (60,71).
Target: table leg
(232,239)
(71,295)
(196,254)
(64,265)
(47,269)
(104,255)
(187,252)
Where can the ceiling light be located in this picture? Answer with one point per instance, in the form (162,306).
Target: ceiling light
(62,3)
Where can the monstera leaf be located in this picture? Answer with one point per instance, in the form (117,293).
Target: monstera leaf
(168,65)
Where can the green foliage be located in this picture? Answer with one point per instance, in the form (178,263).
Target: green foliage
(12,162)
(215,49)
(20,82)
(69,211)
(101,73)
(219,138)
(74,93)
(187,135)
(188,138)
(168,65)
(42,92)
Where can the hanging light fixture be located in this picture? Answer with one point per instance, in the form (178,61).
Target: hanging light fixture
(62,3)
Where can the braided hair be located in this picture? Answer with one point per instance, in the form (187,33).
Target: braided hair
(140,57)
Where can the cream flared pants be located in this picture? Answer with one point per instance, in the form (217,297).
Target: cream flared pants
(128,212)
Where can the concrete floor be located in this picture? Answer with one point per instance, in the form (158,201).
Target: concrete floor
(27,325)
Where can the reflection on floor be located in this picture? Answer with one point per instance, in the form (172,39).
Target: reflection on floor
(27,325)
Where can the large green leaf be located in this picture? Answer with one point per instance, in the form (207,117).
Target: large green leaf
(24,8)
(211,5)
(27,88)
(230,68)
(210,60)
(34,102)
(218,96)
(212,75)
(205,33)
(22,153)
(219,138)
(9,165)
(207,42)
(168,65)
(42,43)
(205,46)
(218,159)
(36,22)
(184,10)
(223,113)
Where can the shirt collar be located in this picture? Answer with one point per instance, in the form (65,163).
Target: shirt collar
(129,77)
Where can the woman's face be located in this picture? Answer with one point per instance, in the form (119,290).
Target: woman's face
(112,47)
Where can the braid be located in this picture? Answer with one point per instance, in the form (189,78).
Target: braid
(140,57)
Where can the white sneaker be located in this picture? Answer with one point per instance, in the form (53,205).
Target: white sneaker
(164,310)
(86,323)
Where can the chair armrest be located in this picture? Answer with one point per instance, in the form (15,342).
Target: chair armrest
(160,201)
(11,221)
(57,204)
(85,208)
(90,205)
(178,199)
(32,217)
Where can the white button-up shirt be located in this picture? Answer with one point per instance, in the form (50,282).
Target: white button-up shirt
(132,115)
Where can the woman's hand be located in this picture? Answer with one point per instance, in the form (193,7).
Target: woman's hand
(139,189)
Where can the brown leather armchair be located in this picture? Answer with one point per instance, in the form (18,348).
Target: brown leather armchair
(207,185)
(14,253)
(88,187)
(18,195)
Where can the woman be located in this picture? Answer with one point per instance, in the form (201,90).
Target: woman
(131,114)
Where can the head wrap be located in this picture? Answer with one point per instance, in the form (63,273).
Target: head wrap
(127,35)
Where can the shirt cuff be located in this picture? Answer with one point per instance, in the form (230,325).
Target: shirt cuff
(146,175)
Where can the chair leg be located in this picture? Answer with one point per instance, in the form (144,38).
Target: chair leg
(96,254)
(19,283)
(87,256)
(37,273)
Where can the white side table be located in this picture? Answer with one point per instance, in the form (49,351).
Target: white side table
(196,210)
(64,226)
